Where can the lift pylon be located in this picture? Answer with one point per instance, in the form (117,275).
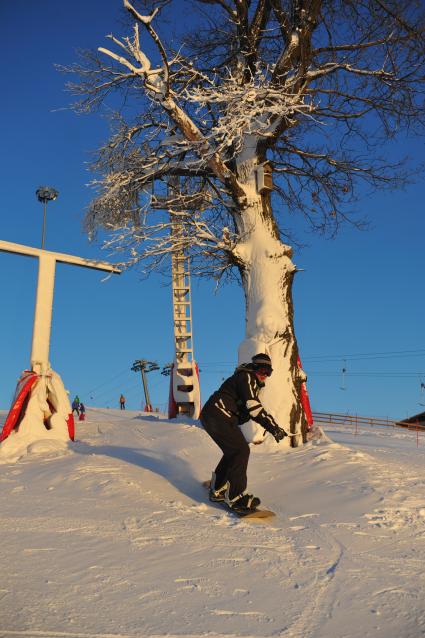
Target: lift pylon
(185,396)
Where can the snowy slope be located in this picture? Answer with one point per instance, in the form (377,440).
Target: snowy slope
(113,537)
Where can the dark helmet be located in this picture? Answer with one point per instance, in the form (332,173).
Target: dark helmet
(262,363)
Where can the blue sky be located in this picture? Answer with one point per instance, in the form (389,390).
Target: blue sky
(359,302)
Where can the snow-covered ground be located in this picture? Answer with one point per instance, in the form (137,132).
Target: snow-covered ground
(113,537)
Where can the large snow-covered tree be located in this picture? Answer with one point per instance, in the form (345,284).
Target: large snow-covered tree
(214,95)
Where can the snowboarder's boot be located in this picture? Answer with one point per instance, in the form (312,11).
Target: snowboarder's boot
(242,504)
(217,495)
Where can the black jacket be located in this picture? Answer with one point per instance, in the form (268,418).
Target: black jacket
(237,401)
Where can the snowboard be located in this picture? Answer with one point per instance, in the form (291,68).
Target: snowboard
(256,514)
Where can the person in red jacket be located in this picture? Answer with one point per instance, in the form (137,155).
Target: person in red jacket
(82,409)
(235,402)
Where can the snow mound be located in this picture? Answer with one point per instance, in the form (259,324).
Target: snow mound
(35,442)
(117,536)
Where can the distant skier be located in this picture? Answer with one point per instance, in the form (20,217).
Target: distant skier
(82,409)
(122,402)
(76,405)
(234,403)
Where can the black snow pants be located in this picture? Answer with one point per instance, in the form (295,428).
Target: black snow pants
(234,462)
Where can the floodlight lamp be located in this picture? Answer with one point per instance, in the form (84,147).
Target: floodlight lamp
(46,194)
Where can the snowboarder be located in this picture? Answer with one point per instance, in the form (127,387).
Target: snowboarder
(234,403)
(122,402)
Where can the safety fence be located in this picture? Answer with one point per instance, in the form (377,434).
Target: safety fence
(327,418)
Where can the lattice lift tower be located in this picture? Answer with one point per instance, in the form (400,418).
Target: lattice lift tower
(184,397)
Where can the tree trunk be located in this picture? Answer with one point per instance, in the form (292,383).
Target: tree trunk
(267,275)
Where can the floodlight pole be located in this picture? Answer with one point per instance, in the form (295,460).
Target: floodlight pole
(45,194)
(43,234)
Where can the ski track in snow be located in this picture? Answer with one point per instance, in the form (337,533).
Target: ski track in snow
(116,539)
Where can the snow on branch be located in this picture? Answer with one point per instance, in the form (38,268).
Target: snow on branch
(155,80)
(157,84)
(254,108)
(146,20)
(150,244)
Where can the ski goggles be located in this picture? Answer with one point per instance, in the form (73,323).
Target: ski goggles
(264,370)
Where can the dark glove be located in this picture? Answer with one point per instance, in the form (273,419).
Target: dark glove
(278,433)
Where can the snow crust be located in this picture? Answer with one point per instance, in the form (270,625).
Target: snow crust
(113,536)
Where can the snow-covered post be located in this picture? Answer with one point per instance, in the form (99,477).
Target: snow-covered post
(43,314)
(48,410)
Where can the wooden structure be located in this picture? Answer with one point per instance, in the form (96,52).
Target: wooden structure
(413,421)
(327,418)
(264,177)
